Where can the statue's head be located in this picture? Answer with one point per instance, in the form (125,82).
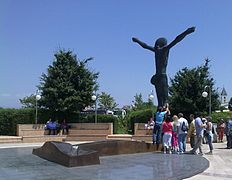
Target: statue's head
(161,42)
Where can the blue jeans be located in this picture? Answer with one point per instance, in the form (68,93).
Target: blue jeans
(210,141)
(198,144)
(182,142)
(156,138)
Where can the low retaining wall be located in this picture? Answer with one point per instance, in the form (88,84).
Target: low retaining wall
(31,133)
(141,133)
(139,129)
(30,129)
(89,131)
(77,132)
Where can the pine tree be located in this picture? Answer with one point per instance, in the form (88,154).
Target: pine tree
(68,84)
(186,90)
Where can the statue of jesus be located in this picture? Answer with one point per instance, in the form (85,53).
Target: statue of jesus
(161,51)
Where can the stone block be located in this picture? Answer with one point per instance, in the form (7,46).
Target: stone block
(66,154)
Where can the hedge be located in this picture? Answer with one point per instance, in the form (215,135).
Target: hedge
(9,118)
(217,116)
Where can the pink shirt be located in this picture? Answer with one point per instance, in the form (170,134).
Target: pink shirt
(167,127)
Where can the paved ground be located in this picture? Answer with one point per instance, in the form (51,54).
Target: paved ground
(220,164)
(17,162)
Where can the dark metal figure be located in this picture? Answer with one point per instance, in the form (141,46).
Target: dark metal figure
(161,50)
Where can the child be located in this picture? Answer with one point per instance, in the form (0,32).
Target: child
(174,134)
(167,137)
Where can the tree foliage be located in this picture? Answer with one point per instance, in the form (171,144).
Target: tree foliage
(186,90)
(139,104)
(28,101)
(106,101)
(68,84)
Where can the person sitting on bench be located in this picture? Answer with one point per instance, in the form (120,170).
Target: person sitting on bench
(64,126)
(51,125)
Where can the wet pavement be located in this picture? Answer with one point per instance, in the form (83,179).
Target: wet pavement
(20,163)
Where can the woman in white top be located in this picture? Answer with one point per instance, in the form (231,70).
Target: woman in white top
(209,134)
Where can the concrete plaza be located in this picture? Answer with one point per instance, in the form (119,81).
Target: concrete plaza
(17,162)
(220,167)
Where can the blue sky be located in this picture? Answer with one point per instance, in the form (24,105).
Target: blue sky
(31,31)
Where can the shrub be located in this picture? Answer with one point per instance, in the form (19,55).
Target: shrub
(221,115)
(141,116)
(103,118)
(9,118)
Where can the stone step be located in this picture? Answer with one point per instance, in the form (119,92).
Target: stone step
(127,137)
(43,138)
(10,139)
(86,137)
(147,138)
(85,131)
(34,132)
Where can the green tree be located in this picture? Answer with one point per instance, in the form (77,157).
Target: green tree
(28,101)
(186,90)
(106,101)
(68,84)
(139,104)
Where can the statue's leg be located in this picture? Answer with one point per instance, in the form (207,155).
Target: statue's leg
(165,89)
(160,100)
(161,86)
(155,81)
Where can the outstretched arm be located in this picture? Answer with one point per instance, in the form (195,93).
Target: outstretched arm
(181,36)
(144,45)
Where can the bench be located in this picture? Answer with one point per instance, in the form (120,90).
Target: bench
(139,129)
(36,133)
(141,133)
(89,131)
(30,129)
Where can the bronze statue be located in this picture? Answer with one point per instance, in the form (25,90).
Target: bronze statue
(161,50)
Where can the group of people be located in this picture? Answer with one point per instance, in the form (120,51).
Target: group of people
(54,127)
(228,133)
(175,130)
(225,127)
